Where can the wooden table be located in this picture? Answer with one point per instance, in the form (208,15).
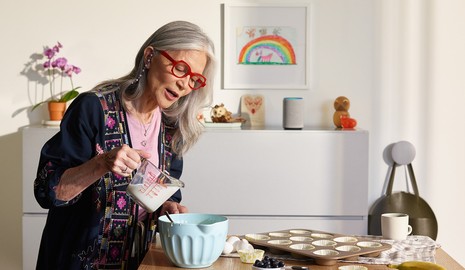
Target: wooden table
(156,259)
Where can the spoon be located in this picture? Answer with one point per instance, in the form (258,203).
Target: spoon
(168,216)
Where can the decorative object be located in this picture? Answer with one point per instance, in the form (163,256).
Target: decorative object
(219,114)
(55,68)
(348,122)
(341,105)
(253,110)
(56,110)
(266,46)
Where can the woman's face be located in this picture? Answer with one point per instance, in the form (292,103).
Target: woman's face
(165,88)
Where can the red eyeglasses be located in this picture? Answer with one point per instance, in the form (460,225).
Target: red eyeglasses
(181,69)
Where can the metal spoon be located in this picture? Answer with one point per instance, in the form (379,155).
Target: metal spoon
(168,216)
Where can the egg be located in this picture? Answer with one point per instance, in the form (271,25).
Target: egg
(243,245)
(232,240)
(228,248)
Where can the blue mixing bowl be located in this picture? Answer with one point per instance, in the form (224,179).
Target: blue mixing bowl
(193,240)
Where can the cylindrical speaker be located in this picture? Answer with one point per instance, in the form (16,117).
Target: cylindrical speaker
(293,113)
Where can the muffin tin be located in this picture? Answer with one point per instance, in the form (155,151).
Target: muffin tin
(324,247)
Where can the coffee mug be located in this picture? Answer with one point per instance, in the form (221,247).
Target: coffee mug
(395,226)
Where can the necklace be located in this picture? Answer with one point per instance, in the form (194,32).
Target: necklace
(145,127)
(144,141)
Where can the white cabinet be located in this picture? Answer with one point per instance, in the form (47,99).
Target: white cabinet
(277,179)
(34,216)
(33,225)
(261,180)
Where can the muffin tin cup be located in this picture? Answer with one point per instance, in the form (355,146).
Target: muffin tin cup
(325,248)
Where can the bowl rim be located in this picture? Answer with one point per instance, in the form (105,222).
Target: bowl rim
(164,219)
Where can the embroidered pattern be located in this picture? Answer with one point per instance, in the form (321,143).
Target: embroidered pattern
(121,203)
(111,122)
(114,233)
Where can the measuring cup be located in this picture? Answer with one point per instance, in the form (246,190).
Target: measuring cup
(150,187)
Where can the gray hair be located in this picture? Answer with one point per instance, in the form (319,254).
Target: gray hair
(177,35)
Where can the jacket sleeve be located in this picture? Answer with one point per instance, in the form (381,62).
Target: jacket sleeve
(74,144)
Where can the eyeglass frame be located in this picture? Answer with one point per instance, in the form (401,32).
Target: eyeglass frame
(188,73)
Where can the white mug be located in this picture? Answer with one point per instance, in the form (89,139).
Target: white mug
(395,226)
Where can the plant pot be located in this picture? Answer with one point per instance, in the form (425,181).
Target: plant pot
(56,110)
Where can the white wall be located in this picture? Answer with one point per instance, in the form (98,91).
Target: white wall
(399,62)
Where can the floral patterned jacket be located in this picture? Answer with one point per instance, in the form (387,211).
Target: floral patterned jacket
(96,229)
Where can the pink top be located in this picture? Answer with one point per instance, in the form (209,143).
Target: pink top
(145,137)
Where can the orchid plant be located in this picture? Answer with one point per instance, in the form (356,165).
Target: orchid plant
(58,67)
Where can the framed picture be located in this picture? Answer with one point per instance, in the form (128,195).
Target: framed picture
(266,46)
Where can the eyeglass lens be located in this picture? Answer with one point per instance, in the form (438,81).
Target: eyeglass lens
(181,69)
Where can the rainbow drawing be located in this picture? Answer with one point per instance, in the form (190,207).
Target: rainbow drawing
(267,50)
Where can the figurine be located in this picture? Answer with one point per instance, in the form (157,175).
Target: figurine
(347,122)
(219,114)
(342,105)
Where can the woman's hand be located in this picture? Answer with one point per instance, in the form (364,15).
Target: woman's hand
(173,208)
(123,160)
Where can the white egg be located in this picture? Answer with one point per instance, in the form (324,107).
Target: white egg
(228,248)
(233,239)
(242,244)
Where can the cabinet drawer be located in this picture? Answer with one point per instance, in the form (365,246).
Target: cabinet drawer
(278,173)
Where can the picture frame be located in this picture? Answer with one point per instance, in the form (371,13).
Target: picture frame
(266,46)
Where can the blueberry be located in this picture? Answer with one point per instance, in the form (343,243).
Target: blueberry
(269,262)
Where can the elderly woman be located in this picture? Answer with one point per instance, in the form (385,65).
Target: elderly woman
(85,168)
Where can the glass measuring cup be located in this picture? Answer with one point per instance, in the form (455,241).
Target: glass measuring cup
(150,187)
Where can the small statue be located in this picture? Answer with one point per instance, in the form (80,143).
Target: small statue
(342,105)
(219,114)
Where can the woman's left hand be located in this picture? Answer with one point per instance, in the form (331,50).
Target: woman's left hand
(173,208)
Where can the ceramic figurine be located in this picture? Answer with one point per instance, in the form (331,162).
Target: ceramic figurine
(219,114)
(347,122)
(342,105)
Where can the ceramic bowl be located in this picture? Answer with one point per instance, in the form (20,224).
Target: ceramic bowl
(193,240)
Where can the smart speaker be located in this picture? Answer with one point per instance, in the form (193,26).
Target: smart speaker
(293,113)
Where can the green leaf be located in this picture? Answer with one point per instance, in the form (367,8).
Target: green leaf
(37,105)
(70,95)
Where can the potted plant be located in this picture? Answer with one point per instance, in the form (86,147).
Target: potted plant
(58,68)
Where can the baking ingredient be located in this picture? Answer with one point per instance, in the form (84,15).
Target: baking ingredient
(229,245)
(228,248)
(152,197)
(233,239)
(242,244)
(234,243)
(417,265)
(269,262)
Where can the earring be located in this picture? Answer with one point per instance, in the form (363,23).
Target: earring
(149,61)
(146,66)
